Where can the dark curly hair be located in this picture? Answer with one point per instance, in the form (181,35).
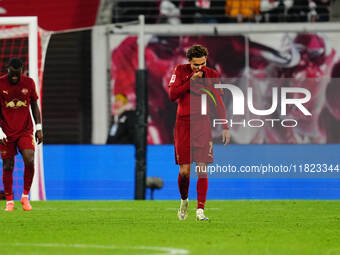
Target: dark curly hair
(197,51)
(15,63)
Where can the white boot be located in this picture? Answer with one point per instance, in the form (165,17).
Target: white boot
(183,209)
(200,215)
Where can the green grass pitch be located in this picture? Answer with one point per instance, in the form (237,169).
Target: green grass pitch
(151,227)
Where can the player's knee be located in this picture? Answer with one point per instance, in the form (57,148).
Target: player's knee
(8,165)
(201,170)
(185,174)
(185,170)
(29,161)
(28,156)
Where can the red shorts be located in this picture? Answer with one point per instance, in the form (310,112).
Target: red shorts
(193,142)
(23,142)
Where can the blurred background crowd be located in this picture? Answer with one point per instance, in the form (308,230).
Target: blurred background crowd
(222,11)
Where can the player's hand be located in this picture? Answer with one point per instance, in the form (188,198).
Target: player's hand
(3,137)
(3,141)
(225,136)
(197,75)
(39,136)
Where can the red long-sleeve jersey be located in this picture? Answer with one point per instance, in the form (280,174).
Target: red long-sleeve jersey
(179,90)
(15,101)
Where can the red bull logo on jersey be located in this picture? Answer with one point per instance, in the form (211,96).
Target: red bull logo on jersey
(15,104)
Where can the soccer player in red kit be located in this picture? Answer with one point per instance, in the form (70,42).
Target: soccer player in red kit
(187,149)
(17,95)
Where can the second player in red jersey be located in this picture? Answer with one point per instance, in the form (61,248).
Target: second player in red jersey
(15,102)
(193,140)
(17,96)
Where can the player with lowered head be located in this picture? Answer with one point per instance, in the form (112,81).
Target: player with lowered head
(17,95)
(193,138)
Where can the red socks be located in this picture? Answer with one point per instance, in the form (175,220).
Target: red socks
(183,185)
(7,178)
(202,189)
(28,178)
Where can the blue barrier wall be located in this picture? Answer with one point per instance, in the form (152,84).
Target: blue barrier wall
(106,172)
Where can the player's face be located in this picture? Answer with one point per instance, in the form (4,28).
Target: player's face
(198,63)
(14,75)
(119,104)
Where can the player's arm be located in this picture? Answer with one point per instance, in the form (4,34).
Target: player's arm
(37,120)
(221,111)
(177,86)
(36,113)
(222,114)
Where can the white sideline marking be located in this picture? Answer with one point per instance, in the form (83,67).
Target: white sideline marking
(80,209)
(109,209)
(194,208)
(163,250)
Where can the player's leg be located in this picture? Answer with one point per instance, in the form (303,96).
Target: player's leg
(184,180)
(183,159)
(202,154)
(202,190)
(28,157)
(26,147)
(183,185)
(8,152)
(7,177)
